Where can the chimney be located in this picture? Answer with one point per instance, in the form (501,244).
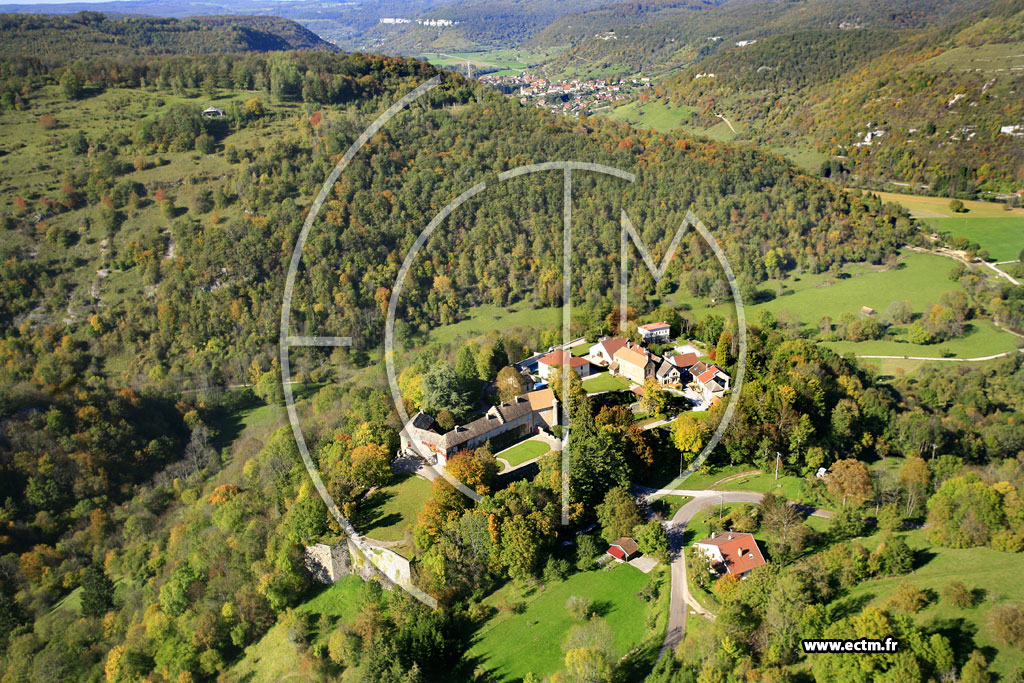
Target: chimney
(713,534)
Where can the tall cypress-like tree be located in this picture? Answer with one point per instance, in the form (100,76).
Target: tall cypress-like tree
(97,592)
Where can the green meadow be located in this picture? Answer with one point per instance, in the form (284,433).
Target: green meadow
(390,512)
(511,645)
(654,114)
(920,279)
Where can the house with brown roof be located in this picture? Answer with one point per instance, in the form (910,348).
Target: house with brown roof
(732,553)
(557,359)
(633,362)
(603,352)
(522,416)
(654,332)
(624,549)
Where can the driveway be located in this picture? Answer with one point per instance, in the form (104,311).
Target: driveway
(680,600)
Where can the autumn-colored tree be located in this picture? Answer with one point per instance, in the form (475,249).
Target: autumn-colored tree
(725,588)
(477,470)
(689,434)
(850,481)
(370,465)
(510,383)
(914,478)
(654,402)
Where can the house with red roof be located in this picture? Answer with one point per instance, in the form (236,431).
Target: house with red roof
(732,552)
(559,358)
(711,380)
(624,549)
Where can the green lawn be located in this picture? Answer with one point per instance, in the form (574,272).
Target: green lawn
(512,645)
(979,568)
(705,480)
(668,506)
(274,657)
(391,511)
(604,382)
(527,450)
(580,349)
(787,485)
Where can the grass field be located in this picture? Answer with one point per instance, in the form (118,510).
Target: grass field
(1002,236)
(527,450)
(274,657)
(979,568)
(938,207)
(391,511)
(604,382)
(993,57)
(999,231)
(655,114)
(921,280)
(512,645)
(484,319)
(580,349)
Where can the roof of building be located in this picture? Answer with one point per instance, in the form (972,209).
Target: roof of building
(532,401)
(422,421)
(651,327)
(740,552)
(684,360)
(710,374)
(632,355)
(612,344)
(558,358)
(627,545)
(665,369)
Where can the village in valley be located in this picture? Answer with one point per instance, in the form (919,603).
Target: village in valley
(575,96)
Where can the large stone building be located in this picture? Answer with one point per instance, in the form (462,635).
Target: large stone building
(635,363)
(522,416)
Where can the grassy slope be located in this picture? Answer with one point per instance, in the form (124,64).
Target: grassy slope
(512,645)
(483,319)
(978,568)
(274,656)
(922,281)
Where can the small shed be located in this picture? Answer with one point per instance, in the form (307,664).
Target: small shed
(624,549)
(213,113)
(867,310)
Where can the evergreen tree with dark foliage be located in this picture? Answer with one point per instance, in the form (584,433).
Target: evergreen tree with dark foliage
(97,592)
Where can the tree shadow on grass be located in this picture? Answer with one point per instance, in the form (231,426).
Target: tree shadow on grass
(370,514)
(922,557)
(961,636)
(848,607)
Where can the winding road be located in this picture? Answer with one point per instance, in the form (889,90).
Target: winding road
(680,600)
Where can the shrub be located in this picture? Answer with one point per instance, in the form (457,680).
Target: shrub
(46,122)
(1007,623)
(909,598)
(958,595)
(578,607)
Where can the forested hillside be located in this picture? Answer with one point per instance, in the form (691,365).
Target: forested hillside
(934,110)
(91,34)
(155,508)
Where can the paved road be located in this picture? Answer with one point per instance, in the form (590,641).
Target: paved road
(680,599)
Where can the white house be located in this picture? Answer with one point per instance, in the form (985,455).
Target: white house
(558,358)
(213,113)
(654,332)
(604,350)
(732,552)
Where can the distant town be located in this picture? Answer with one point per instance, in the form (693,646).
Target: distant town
(575,97)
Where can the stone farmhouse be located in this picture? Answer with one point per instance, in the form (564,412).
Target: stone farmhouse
(732,553)
(603,352)
(711,380)
(635,363)
(522,416)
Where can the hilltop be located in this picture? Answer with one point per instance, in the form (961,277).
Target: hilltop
(92,34)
